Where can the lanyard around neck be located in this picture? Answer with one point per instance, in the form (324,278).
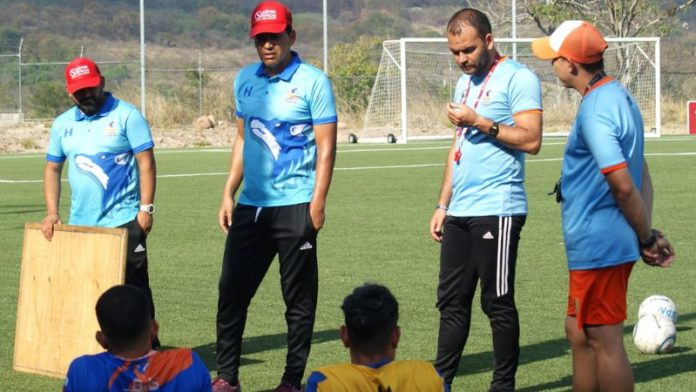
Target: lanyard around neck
(461,130)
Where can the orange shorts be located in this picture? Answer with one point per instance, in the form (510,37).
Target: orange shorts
(598,296)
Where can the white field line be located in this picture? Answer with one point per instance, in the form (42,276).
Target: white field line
(348,150)
(657,154)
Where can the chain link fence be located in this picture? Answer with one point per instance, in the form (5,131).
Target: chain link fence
(180,85)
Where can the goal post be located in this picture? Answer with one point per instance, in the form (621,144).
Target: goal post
(417,77)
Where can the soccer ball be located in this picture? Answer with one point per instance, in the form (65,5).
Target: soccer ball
(658,304)
(654,334)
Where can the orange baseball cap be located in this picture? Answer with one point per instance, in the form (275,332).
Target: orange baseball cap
(269,17)
(81,73)
(575,40)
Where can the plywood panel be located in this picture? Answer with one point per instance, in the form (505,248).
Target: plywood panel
(60,283)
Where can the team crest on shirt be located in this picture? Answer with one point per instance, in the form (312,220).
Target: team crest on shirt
(287,143)
(487,97)
(110,170)
(292,97)
(110,130)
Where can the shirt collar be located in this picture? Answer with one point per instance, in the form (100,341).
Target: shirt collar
(379,364)
(601,82)
(287,73)
(107,107)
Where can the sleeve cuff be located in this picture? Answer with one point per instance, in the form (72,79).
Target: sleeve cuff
(325,120)
(613,168)
(143,147)
(55,158)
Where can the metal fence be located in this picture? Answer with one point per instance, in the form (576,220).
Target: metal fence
(181,85)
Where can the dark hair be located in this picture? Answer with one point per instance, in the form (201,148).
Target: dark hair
(288,29)
(123,313)
(594,67)
(371,313)
(471,17)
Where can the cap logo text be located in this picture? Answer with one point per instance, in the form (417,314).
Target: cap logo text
(265,15)
(79,71)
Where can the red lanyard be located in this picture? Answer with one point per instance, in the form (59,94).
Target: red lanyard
(462,130)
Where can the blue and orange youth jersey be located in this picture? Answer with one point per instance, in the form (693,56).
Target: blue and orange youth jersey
(179,370)
(607,135)
(100,150)
(394,376)
(280,113)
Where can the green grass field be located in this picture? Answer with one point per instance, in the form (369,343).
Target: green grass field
(378,211)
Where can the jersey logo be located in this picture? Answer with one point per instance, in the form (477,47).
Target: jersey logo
(292,97)
(110,130)
(67,132)
(247,91)
(286,142)
(110,171)
(487,97)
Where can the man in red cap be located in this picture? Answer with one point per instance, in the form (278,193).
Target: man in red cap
(285,151)
(606,205)
(108,145)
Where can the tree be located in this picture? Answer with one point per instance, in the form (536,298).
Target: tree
(353,69)
(618,18)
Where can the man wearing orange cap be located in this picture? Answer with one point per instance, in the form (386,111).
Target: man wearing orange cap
(111,170)
(285,151)
(606,204)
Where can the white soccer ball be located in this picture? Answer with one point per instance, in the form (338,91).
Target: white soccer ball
(658,304)
(654,334)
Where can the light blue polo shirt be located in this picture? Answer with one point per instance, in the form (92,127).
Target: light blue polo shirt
(280,113)
(489,178)
(102,170)
(607,133)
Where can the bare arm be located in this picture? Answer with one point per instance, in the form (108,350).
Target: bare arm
(439,215)
(51,185)
(325,136)
(631,202)
(148,182)
(234,179)
(525,135)
(637,213)
(646,189)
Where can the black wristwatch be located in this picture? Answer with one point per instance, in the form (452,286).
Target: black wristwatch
(495,128)
(649,243)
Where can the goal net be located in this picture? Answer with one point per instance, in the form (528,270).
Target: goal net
(417,77)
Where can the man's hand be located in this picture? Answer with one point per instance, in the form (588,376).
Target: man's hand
(145,221)
(316,212)
(436,223)
(660,254)
(461,115)
(225,213)
(47,225)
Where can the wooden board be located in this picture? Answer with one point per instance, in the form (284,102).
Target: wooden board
(59,285)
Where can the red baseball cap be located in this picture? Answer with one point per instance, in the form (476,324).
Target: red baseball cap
(82,73)
(269,17)
(576,40)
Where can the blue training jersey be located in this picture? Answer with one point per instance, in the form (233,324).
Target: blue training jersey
(178,370)
(488,180)
(394,376)
(102,170)
(279,114)
(607,135)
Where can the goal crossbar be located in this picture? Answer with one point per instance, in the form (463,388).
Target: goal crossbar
(417,76)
